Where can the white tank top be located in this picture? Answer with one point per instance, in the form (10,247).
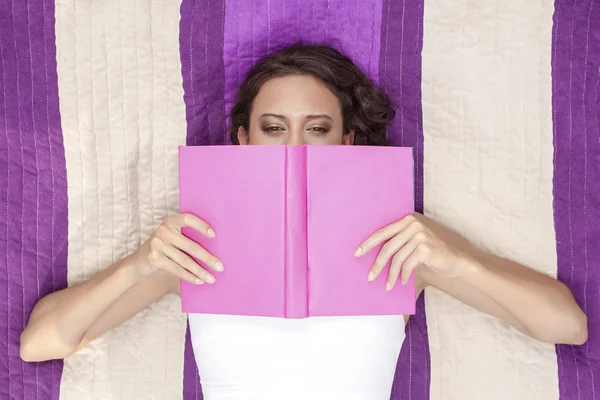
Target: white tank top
(252,358)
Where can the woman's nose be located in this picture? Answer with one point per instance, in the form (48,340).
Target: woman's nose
(295,138)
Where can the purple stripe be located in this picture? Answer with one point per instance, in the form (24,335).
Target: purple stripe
(575,102)
(33,205)
(201,50)
(400,76)
(192,390)
(256,28)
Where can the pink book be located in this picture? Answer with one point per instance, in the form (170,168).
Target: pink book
(288,220)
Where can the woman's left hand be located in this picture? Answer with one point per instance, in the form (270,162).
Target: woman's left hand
(416,242)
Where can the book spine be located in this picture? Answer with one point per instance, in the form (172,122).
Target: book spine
(296,257)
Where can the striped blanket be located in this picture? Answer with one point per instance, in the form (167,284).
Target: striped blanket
(498,98)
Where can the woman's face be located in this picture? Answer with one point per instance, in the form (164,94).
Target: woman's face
(295,110)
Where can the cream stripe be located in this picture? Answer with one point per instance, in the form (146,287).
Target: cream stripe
(488,175)
(122,110)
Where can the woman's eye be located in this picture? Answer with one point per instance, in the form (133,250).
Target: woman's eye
(319,129)
(272,128)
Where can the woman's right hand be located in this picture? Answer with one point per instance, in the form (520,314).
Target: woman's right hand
(168,249)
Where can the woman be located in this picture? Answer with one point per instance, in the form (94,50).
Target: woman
(304,95)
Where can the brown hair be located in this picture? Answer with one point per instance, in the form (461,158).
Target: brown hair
(365,109)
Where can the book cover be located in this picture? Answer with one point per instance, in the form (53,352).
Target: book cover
(288,220)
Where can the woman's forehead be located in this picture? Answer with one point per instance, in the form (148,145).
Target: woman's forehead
(296,95)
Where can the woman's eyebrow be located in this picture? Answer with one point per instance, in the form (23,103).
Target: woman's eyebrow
(309,117)
(272,115)
(315,116)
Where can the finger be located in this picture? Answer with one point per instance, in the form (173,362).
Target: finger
(386,252)
(195,250)
(189,264)
(171,266)
(397,261)
(413,261)
(384,234)
(190,220)
(391,248)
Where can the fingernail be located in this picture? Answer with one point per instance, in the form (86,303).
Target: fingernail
(388,286)
(404,282)
(357,252)
(198,281)
(371,276)
(219,266)
(211,233)
(210,279)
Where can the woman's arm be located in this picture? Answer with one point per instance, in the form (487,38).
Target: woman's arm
(534,303)
(64,322)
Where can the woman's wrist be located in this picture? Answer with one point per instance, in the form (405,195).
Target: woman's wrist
(471,266)
(127,272)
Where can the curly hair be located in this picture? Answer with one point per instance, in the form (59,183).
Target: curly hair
(366,110)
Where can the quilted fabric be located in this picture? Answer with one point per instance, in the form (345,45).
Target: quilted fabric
(576,118)
(122,119)
(33,181)
(488,144)
(499,100)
